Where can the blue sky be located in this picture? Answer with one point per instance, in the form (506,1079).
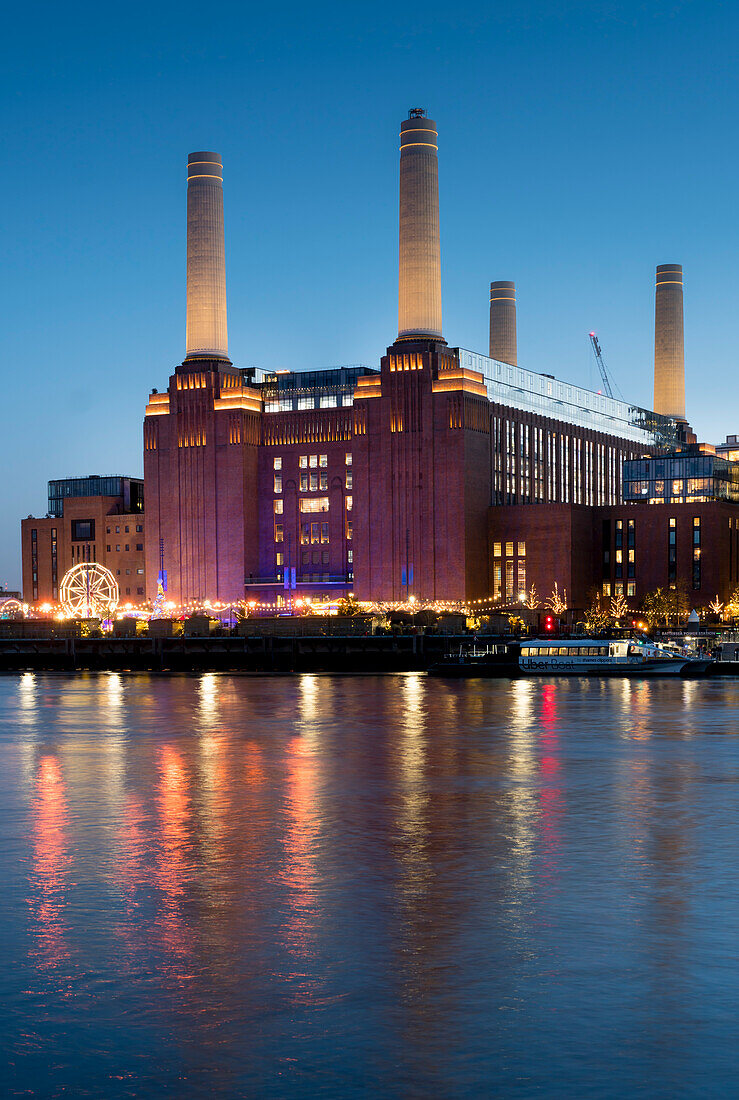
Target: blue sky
(581,144)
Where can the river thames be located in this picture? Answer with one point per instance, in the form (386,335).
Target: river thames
(391,886)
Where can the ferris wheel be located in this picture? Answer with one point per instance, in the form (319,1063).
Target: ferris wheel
(89,591)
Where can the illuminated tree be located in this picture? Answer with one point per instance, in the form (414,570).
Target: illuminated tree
(716,607)
(619,607)
(532,599)
(556,602)
(655,607)
(732,606)
(516,624)
(596,619)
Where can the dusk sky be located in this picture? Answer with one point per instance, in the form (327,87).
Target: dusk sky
(580,145)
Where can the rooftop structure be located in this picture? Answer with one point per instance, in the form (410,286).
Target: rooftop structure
(290,391)
(130,490)
(503,340)
(206,330)
(669,355)
(526,390)
(419,267)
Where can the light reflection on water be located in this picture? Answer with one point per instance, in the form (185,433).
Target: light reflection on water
(396,886)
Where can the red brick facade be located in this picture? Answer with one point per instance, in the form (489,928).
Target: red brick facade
(49,548)
(422,471)
(632,548)
(388,497)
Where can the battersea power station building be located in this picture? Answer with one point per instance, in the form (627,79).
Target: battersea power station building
(407,480)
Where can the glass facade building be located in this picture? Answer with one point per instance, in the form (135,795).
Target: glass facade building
(681,478)
(96,485)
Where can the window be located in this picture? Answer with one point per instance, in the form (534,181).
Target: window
(278,483)
(324,481)
(323,460)
(509,549)
(313,504)
(324,532)
(304,533)
(278,507)
(83,530)
(349,530)
(128,547)
(315,532)
(279,558)
(107,529)
(127,530)
(313,461)
(304,482)
(314,483)
(140,572)
(279,535)
(348,458)
(606,588)
(277,463)
(306,403)
(325,557)
(139,546)
(328,402)
(117,530)
(303,462)
(522,549)
(496,549)
(348,481)
(139,591)
(118,546)
(128,572)
(630,588)
(139,529)
(108,547)
(349,504)
(509,580)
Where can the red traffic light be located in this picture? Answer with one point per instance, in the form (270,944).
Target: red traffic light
(549,623)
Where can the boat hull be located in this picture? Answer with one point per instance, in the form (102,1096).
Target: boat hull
(533,666)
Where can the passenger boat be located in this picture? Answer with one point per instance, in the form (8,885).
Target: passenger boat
(494,659)
(600,657)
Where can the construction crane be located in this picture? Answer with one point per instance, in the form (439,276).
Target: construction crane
(601,365)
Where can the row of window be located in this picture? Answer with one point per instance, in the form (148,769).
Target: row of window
(618,589)
(314,504)
(328,401)
(312,483)
(306,462)
(126,546)
(139,530)
(497,546)
(314,557)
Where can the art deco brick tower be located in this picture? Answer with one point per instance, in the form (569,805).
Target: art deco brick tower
(419,282)
(669,356)
(206,332)
(421,445)
(201,435)
(503,323)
